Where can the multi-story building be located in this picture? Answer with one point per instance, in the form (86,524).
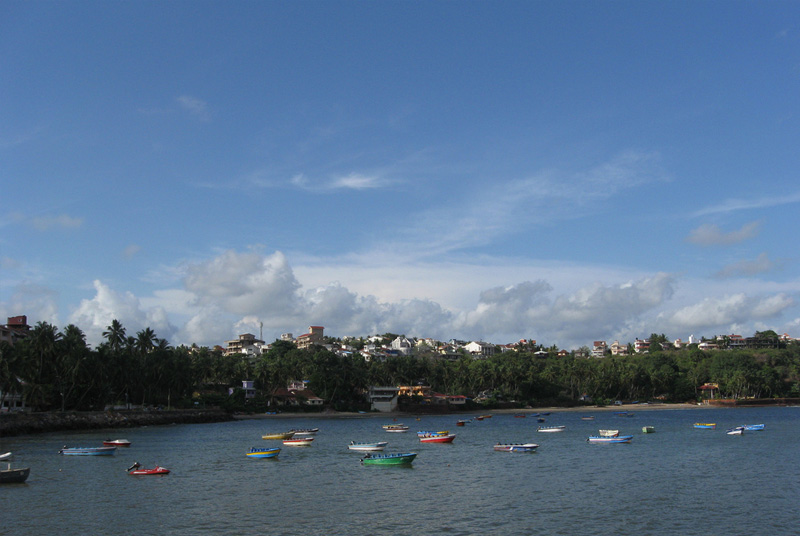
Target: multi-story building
(246,344)
(314,336)
(17,328)
(599,348)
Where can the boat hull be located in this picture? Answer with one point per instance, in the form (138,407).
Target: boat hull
(14,476)
(263,453)
(301,442)
(437,438)
(516,447)
(389,459)
(88,451)
(551,429)
(618,439)
(146,472)
(281,435)
(117,443)
(368,447)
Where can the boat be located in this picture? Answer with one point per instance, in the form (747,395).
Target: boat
(278,435)
(605,439)
(485,416)
(389,459)
(395,427)
(609,433)
(117,443)
(559,428)
(462,422)
(648,429)
(304,431)
(87,451)
(748,427)
(520,416)
(540,419)
(589,418)
(624,414)
(448,438)
(137,469)
(257,452)
(298,441)
(705,425)
(429,434)
(516,447)
(5,456)
(366,447)
(14,476)
(739,430)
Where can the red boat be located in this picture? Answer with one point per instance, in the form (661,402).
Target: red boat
(137,469)
(117,443)
(432,438)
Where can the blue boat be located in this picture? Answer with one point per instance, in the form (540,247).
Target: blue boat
(256,452)
(87,451)
(753,427)
(607,439)
(705,425)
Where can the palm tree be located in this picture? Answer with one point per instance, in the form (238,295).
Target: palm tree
(146,340)
(115,335)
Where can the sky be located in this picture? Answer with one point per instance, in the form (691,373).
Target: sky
(559,171)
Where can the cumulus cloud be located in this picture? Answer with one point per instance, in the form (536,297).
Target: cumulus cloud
(747,267)
(711,235)
(729,310)
(35,301)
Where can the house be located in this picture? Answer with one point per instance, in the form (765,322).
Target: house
(619,349)
(17,328)
(247,386)
(296,394)
(599,348)
(641,346)
(383,399)
(480,349)
(314,336)
(246,344)
(403,346)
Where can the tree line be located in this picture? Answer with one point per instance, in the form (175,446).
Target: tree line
(56,370)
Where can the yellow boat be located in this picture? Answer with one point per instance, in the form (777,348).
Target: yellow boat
(279,435)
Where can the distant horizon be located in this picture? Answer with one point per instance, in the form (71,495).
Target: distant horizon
(564,172)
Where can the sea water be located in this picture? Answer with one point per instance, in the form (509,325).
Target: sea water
(678,480)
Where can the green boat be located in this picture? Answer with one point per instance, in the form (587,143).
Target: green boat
(389,459)
(648,429)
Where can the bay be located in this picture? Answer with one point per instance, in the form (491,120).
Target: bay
(678,480)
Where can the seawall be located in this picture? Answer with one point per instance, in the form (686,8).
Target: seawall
(36,423)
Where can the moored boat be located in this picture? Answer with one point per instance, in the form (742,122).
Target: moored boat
(605,439)
(117,443)
(5,456)
(753,427)
(516,447)
(559,428)
(395,427)
(705,425)
(87,451)
(608,433)
(424,433)
(14,476)
(256,452)
(278,435)
(588,418)
(298,441)
(304,431)
(462,422)
(389,459)
(137,469)
(367,447)
(648,429)
(739,430)
(447,438)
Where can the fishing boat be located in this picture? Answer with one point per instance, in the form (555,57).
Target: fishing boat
(117,443)
(304,431)
(5,456)
(551,429)
(389,459)
(278,435)
(747,427)
(604,439)
(395,427)
(520,416)
(14,476)
(367,447)
(298,441)
(588,418)
(256,452)
(487,416)
(463,422)
(448,438)
(739,430)
(540,419)
(429,434)
(608,433)
(137,469)
(705,425)
(516,447)
(87,451)
(648,429)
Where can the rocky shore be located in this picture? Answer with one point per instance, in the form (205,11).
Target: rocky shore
(35,423)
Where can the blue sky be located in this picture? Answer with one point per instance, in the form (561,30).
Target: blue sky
(562,171)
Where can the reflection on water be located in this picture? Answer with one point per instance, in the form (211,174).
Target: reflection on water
(676,481)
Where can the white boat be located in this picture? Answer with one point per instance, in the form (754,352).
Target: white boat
(298,441)
(367,447)
(516,447)
(739,430)
(304,431)
(609,433)
(395,428)
(617,439)
(559,428)
(5,456)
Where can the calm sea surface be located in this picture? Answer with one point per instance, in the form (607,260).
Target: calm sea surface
(677,481)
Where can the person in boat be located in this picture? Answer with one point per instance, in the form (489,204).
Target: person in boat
(136,465)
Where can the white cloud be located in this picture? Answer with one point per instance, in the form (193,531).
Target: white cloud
(131,250)
(729,310)
(356,181)
(64,221)
(746,268)
(195,106)
(711,235)
(733,205)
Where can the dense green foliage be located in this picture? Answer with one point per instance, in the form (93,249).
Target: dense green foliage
(57,370)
